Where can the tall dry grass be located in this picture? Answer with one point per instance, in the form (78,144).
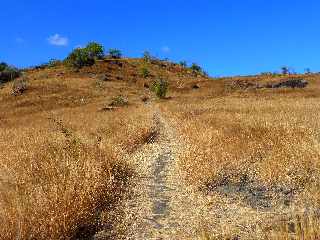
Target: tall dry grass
(62,158)
(58,176)
(255,154)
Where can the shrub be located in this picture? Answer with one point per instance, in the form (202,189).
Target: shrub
(183,64)
(115,53)
(147,57)
(307,71)
(196,68)
(267,74)
(79,58)
(119,101)
(144,71)
(53,63)
(160,87)
(285,70)
(9,73)
(95,50)
(19,86)
(3,66)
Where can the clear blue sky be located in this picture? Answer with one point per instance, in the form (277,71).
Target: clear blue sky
(226,37)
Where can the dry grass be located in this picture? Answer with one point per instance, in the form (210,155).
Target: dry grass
(62,159)
(256,152)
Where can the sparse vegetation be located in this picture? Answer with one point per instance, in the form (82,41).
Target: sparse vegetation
(160,87)
(147,57)
(267,73)
(119,101)
(54,63)
(144,72)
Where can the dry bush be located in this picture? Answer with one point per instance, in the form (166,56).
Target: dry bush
(19,86)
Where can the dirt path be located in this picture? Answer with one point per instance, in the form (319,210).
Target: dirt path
(159,206)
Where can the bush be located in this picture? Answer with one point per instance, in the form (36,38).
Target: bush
(9,73)
(266,74)
(115,53)
(144,72)
(196,68)
(119,101)
(147,57)
(19,86)
(160,87)
(3,66)
(183,64)
(285,70)
(307,71)
(79,58)
(53,63)
(95,50)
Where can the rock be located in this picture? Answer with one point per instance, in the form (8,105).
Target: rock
(291,83)
(59,74)
(109,108)
(196,86)
(144,99)
(104,77)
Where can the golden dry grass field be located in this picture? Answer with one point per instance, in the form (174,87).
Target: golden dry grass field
(254,153)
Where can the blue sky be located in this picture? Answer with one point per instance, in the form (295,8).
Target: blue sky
(226,37)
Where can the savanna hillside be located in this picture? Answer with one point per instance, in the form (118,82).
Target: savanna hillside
(66,133)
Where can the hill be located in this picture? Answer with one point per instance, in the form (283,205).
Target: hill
(248,153)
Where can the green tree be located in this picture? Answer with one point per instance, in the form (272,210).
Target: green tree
(79,58)
(3,66)
(196,68)
(95,50)
(183,64)
(9,73)
(147,56)
(115,53)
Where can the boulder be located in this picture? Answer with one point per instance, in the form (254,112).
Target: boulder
(291,83)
